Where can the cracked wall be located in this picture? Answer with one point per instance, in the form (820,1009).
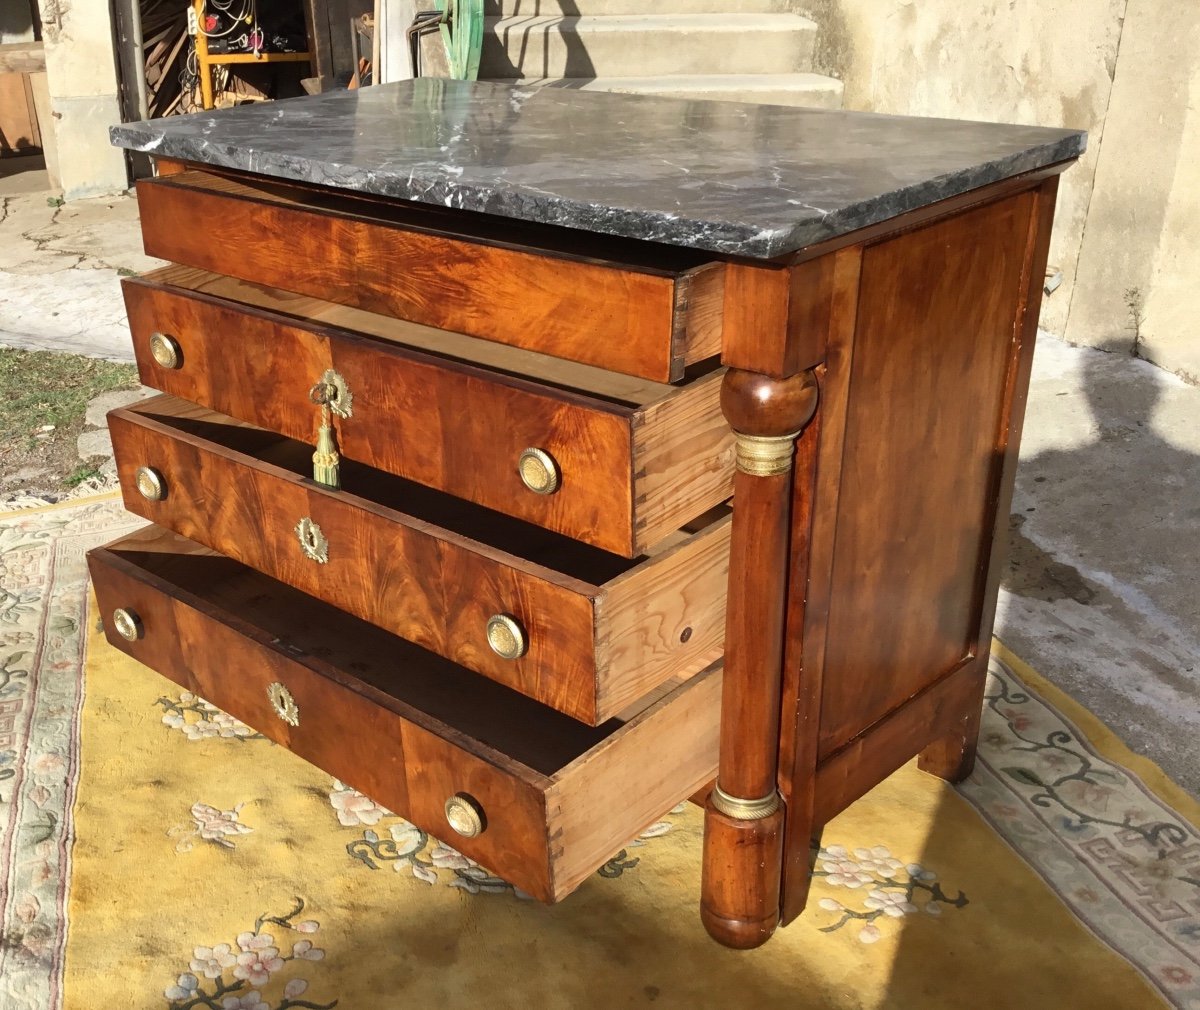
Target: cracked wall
(1048,62)
(1127,71)
(82,76)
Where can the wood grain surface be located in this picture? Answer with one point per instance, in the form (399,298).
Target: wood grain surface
(411,263)
(636,460)
(602,631)
(935,328)
(548,786)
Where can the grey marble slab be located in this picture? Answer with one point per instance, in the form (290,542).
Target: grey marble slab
(746,180)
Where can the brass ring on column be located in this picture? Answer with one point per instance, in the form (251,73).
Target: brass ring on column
(744,810)
(765,455)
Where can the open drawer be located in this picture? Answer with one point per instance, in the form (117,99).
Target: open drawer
(615,461)
(634,307)
(582,630)
(536,797)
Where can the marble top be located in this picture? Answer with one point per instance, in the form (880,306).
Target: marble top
(746,180)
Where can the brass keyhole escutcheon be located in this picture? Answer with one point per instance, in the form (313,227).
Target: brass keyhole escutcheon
(312,541)
(150,483)
(127,623)
(283,703)
(165,350)
(506,636)
(539,471)
(465,815)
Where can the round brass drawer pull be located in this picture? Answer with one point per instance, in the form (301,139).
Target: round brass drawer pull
(127,623)
(465,815)
(283,703)
(150,483)
(165,350)
(539,471)
(506,636)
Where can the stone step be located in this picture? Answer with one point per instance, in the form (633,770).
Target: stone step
(808,90)
(629,45)
(576,8)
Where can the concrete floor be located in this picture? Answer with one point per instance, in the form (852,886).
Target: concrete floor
(1100,591)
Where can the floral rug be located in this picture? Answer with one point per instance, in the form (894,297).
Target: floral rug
(158,854)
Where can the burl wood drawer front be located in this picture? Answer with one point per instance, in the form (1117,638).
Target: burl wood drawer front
(634,460)
(593,632)
(629,306)
(553,799)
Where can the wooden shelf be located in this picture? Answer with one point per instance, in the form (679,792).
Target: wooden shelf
(205,60)
(213,59)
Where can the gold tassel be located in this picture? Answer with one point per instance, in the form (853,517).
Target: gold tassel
(326,459)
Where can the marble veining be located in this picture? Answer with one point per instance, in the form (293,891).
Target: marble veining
(758,181)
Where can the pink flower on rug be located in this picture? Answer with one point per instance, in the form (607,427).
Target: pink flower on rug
(353,808)
(869,934)
(49,764)
(891,903)
(877,860)
(255,966)
(214,825)
(305,950)
(255,941)
(846,873)
(250,1001)
(1173,973)
(211,962)
(184,988)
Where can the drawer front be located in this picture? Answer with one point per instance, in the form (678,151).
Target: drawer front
(540,831)
(633,319)
(591,647)
(627,476)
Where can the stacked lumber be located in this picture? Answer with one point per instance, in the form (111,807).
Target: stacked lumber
(170,75)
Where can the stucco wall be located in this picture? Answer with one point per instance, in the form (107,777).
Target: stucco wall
(1023,61)
(1139,266)
(1125,71)
(81,69)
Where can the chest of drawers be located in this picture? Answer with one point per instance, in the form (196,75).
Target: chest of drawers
(532,481)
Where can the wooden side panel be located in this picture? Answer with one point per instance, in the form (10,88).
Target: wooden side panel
(403,766)
(659,759)
(444,424)
(936,324)
(666,618)
(682,458)
(700,312)
(600,314)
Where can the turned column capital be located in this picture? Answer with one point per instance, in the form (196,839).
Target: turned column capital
(758,405)
(766,415)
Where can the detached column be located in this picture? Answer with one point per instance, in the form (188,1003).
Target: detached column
(743,822)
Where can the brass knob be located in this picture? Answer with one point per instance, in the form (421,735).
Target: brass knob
(538,471)
(165,350)
(150,483)
(127,623)
(283,703)
(464,815)
(506,636)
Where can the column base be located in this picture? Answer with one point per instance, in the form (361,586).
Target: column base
(739,890)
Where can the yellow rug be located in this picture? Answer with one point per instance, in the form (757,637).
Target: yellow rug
(213,868)
(205,867)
